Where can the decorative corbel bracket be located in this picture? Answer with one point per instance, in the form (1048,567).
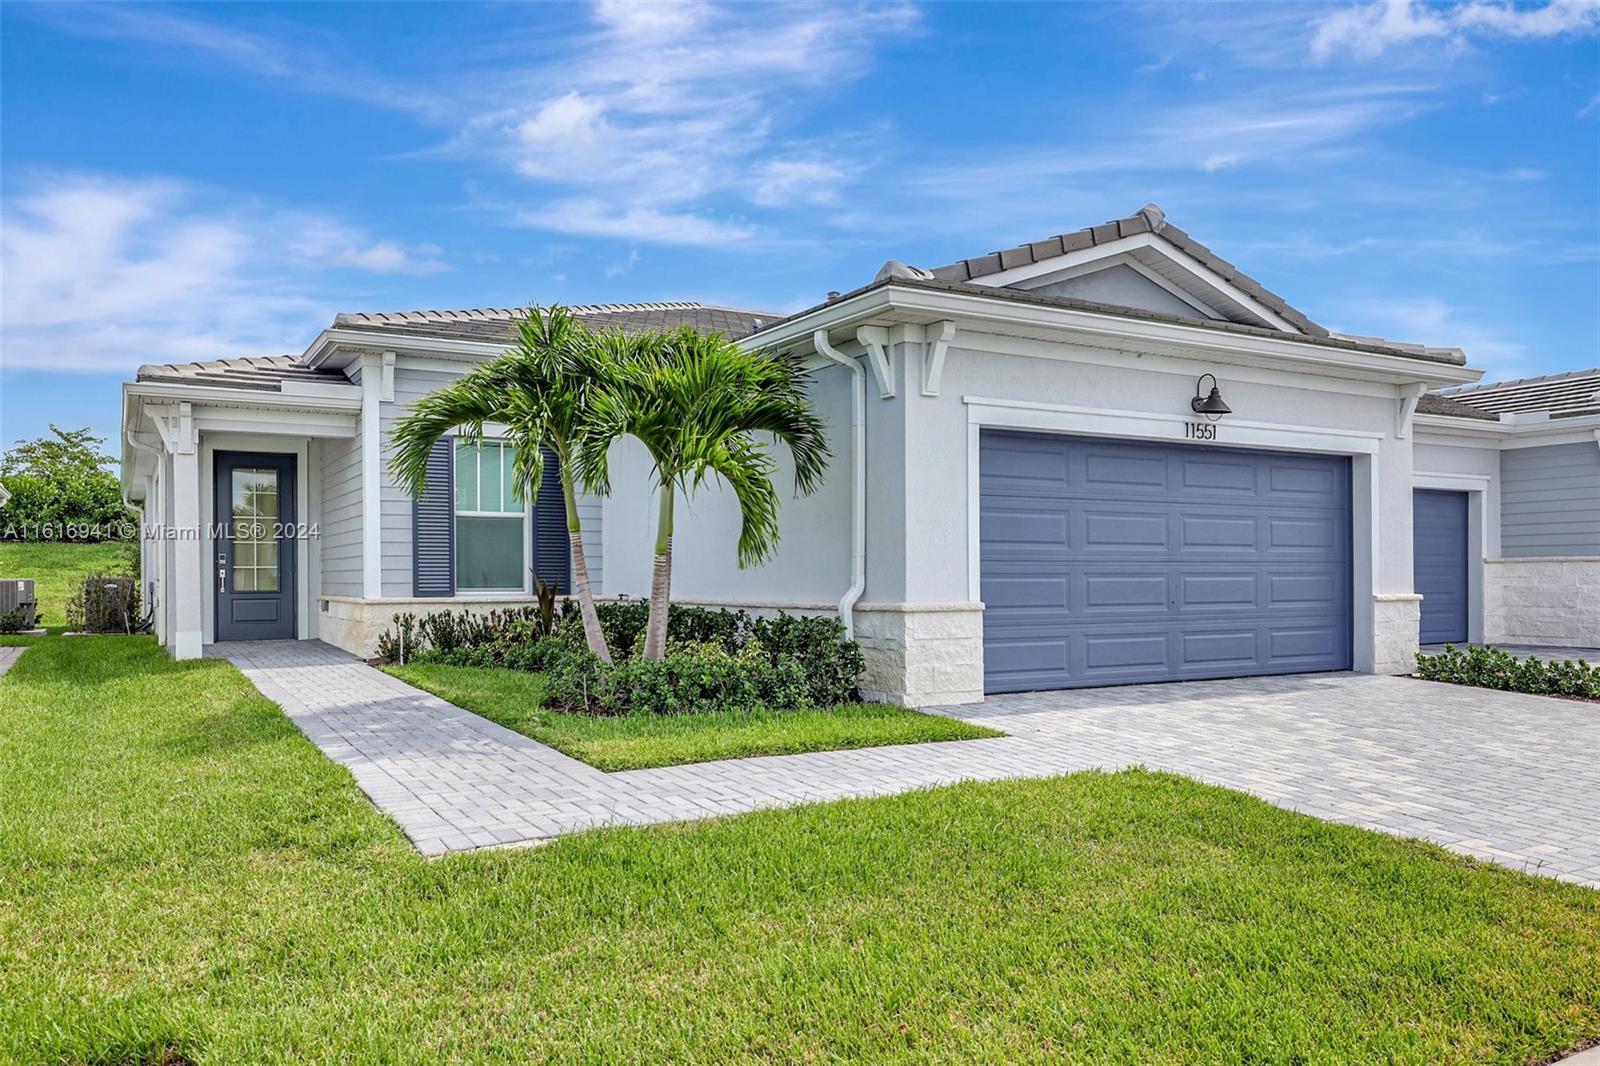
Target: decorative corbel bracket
(875,339)
(1409,395)
(175,423)
(386,388)
(935,346)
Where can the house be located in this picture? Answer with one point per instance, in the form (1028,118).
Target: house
(1105,457)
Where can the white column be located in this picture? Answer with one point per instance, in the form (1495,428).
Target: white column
(372,372)
(191,569)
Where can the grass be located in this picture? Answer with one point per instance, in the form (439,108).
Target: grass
(183,875)
(56,567)
(514,699)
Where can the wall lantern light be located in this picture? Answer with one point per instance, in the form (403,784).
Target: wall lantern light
(1211,406)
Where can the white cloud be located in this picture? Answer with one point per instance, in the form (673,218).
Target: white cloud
(1368,30)
(1591,108)
(661,124)
(105,274)
(1432,321)
(306,67)
(1220,161)
(594,217)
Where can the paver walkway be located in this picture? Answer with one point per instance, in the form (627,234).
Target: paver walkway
(8,657)
(1502,776)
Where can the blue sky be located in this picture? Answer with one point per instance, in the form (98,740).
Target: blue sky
(189,182)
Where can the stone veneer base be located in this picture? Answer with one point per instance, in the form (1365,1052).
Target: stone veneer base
(1396,621)
(922,654)
(1551,600)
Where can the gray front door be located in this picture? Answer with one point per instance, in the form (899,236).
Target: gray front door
(254,546)
(1107,562)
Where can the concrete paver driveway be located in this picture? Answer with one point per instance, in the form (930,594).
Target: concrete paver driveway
(1502,776)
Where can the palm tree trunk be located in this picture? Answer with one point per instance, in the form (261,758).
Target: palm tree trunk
(655,635)
(592,633)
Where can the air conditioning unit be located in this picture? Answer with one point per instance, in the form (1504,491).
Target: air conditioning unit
(18,592)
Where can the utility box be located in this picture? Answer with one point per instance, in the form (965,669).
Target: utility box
(15,593)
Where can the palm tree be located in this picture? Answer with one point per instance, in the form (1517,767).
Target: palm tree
(700,405)
(540,389)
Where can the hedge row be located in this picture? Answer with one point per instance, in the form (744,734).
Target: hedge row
(716,660)
(1486,666)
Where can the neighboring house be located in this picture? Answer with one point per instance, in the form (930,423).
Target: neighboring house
(1022,496)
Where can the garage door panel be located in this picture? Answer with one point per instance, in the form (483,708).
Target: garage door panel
(1309,479)
(1229,647)
(1210,591)
(1321,533)
(1218,532)
(1242,566)
(1124,591)
(1123,531)
(1118,651)
(1011,524)
(1219,475)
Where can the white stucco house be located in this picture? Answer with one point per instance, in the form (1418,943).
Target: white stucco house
(1105,457)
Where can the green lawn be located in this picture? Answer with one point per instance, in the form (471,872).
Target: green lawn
(57,566)
(183,875)
(513,699)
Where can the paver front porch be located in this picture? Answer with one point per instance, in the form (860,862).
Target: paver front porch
(1501,776)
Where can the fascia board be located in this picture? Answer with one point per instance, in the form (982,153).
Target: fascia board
(332,343)
(1155,242)
(342,400)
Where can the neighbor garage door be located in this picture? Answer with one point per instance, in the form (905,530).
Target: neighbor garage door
(1439,563)
(1108,562)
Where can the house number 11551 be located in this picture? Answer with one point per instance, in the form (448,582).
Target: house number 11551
(1200,431)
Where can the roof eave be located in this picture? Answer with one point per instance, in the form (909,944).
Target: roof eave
(1103,328)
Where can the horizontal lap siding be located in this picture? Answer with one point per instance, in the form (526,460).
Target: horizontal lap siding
(1106,562)
(341,517)
(1550,500)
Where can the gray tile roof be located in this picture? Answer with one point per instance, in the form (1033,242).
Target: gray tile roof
(1575,392)
(1431,403)
(1148,219)
(1448,356)
(494,323)
(262,373)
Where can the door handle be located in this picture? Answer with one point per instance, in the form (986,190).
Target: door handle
(222,572)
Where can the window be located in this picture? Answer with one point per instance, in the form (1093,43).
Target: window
(491,537)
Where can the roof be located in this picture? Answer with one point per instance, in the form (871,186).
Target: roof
(494,323)
(1447,356)
(1148,219)
(1431,403)
(1575,392)
(262,373)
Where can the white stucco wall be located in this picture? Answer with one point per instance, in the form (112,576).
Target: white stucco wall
(812,563)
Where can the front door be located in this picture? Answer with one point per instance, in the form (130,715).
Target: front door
(254,564)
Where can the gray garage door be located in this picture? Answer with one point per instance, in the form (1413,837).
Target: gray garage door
(1439,563)
(1108,562)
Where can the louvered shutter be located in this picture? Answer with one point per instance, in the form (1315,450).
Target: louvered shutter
(433,526)
(552,551)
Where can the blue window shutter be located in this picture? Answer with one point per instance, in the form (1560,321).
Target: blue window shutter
(552,550)
(433,526)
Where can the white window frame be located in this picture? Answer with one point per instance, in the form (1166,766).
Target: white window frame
(456,512)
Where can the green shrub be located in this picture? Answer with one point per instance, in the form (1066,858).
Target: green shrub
(15,620)
(104,604)
(1486,666)
(716,659)
(692,677)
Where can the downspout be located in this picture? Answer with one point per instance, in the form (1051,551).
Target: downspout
(150,606)
(858,479)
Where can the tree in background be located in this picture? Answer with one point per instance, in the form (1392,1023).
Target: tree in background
(60,488)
